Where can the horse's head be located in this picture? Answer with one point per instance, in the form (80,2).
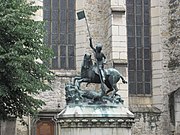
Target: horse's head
(87,62)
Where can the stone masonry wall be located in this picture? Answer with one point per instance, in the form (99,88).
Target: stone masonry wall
(165,80)
(81,35)
(173,48)
(118,45)
(147,123)
(55,99)
(159,23)
(8,127)
(119,34)
(97,13)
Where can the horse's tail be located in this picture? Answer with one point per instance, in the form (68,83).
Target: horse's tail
(120,76)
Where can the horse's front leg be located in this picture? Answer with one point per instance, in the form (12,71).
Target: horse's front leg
(75,79)
(79,81)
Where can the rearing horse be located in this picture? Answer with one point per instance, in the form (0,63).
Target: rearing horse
(89,75)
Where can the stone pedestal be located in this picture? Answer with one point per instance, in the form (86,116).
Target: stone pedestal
(95,120)
(8,127)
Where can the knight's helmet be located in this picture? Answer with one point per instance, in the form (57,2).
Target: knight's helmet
(98,47)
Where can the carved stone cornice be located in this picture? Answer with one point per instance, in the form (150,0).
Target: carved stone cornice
(104,122)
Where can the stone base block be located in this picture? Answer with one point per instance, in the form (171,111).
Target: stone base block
(95,120)
(95,131)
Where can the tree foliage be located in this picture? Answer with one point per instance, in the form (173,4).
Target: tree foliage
(23,73)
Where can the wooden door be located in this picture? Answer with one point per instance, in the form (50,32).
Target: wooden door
(45,128)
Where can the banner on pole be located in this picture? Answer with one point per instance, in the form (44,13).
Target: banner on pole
(81,15)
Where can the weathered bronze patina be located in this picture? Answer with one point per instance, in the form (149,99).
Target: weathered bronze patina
(90,74)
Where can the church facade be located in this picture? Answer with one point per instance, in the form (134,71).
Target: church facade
(140,38)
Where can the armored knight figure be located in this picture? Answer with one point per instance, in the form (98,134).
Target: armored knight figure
(100,59)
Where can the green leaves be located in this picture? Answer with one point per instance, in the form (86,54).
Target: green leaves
(21,44)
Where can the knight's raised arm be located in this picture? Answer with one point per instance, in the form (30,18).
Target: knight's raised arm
(91,45)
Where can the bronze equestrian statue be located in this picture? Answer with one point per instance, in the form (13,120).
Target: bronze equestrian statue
(89,75)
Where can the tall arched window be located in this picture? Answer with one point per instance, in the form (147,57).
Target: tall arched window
(60,25)
(139,47)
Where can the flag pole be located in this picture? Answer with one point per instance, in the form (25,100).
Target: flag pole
(81,15)
(87,27)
